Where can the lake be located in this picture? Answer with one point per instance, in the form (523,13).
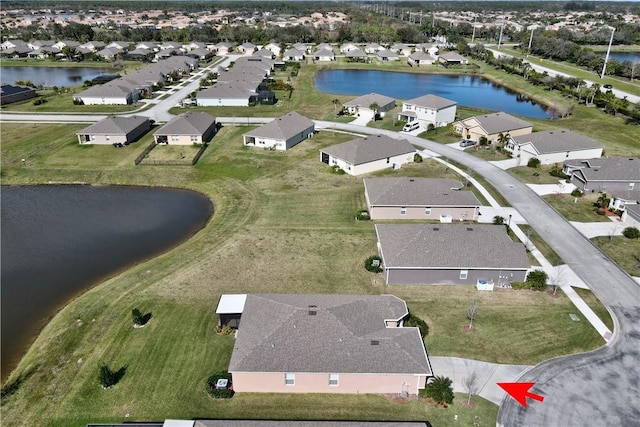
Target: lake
(52,76)
(623,56)
(468,90)
(58,241)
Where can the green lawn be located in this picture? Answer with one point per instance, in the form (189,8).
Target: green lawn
(578,209)
(594,303)
(62,101)
(539,175)
(542,246)
(625,252)
(488,153)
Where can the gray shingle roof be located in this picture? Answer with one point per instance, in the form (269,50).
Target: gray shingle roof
(283,128)
(404,191)
(556,141)
(324,53)
(421,56)
(633,211)
(281,423)
(114,88)
(114,125)
(453,57)
(456,246)
(356,53)
(189,123)
(369,149)
(368,99)
(609,169)
(277,334)
(225,90)
(431,101)
(498,122)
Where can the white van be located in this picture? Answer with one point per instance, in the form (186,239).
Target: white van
(411,126)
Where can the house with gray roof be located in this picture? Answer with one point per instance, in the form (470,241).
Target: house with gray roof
(293,55)
(324,55)
(247,47)
(372,48)
(362,104)
(327,344)
(385,55)
(477,254)
(604,175)
(109,53)
(620,199)
(187,129)
(115,92)
(115,129)
(452,58)
(419,58)
(553,146)
(10,93)
(429,110)
(223,48)
(491,126)
(281,133)
(226,94)
(631,216)
(438,199)
(368,154)
(356,55)
(264,53)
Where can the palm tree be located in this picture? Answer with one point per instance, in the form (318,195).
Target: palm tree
(335,103)
(503,138)
(374,107)
(596,90)
(439,389)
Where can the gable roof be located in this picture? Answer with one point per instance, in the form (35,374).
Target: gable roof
(296,53)
(226,91)
(114,125)
(421,56)
(12,89)
(189,123)
(452,57)
(356,53)
(451,246)
(431,101)
(384,53)
(368,99)
(369,149)
(324,53)
(497,122)
(111,89)
(556,141)
(283,128)
(625,169)
(405,191)
(278,333)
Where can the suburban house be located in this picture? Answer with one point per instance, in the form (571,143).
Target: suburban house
(223,48)
(115,129)
(10,93)
(327,344)
(604,175)
(420,58)
(452,58)
(264,53)
(109,53)
(348,47)
(187,129)
(369,154)
(450,254)
(401,49)
(281,133)
(429,48)
(324,46)
(373,48)
(622,198)
(113,93)
(553,146)
(273,47)
(429,109)
(356,55)
(293,55)
(631,216)
(363,103)
(324,55)
(247,47)
(385,55)
(491,126)
(440,199)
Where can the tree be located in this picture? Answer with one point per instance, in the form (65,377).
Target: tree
(557,277)
(533,162)
(470,384)
(498,220)
(472,313)
(138,317)
(108,378)
(335,103)
(503,138)
(483,140)
(440,390)
(375,107)
(537,279)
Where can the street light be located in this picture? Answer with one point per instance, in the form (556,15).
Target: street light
(606,58)
(509,222)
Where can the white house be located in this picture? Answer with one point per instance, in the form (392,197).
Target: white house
(362,103)
(281,133)
(273,47)
(324,55)
(553,146)
(369,154)
(429,109)
(420,58)
(112,93)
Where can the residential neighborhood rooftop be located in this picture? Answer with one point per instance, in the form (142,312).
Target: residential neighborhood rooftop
(283,127)
(554,141)
(368,99)
(370,148)
(114,125)
(189,123)
(497,122)
(431,101)
(405,191)
(609,169)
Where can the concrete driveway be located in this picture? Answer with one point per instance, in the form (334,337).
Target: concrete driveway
(363,118)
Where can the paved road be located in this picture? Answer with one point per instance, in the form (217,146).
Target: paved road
(601,388)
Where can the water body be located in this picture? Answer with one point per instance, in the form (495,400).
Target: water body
(57,241)
(52,76)
(623,56)
(473,91)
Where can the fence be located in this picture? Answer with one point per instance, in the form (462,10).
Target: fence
(144,153)
(142,158)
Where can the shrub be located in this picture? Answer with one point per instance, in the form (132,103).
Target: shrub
(219,393)
(363,216)
(483,140)
(430,127)
(224,330)
(631,233)
(520,285)
(337,170)
(533,162)
(138,317)
(439,389)
(417,158)
(413,321)
(537,279)
(369,264)
(108,378)
(576,193)
(498,220)
(38,101)
(557,172)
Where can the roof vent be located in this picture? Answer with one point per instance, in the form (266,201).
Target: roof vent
(312,310)
(413,180)
(436,229)
(469,228)
(375,342)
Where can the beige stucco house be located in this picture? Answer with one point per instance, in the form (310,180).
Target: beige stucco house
(445,200)
(362,103)
(281,133)
(327,344)
(187,129)
(114,130)
(490,126)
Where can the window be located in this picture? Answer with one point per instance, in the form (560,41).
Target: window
(427,211)
(194,138)
(175,138)
(333,380)
(464,274)
(403,210)
(290,379)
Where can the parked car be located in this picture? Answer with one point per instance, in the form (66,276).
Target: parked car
(467,143)
(607,86)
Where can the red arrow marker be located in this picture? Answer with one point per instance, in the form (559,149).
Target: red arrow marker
(520,392)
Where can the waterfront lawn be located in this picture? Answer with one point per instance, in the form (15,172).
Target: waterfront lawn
(546,251)
(182,153)
(594,303)
(580,210)
(539,175)
(625,252)
(62,101)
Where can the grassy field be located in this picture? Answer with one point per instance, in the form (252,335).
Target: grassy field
(266,203)
(594,303)
(625,252)
(542,246)
(539,175)
(579,209)
(62,101)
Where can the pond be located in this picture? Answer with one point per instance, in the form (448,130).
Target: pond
(52,76)
(58,241)
(468,90)
(623,56)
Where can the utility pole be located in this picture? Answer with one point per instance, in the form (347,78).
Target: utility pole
(473,36)
(531,39)
(500,38)
(606,59)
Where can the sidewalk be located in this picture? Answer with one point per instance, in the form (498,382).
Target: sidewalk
(487,374)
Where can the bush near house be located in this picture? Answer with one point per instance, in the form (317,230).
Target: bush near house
(219,393)
(415,321)
(631,233)
(440,390)
(374,267)
(537,279)
(533,162)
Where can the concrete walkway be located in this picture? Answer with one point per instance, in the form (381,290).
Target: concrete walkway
(363,118)
(561,187)
(595,229)
(487,375)
(506,164)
